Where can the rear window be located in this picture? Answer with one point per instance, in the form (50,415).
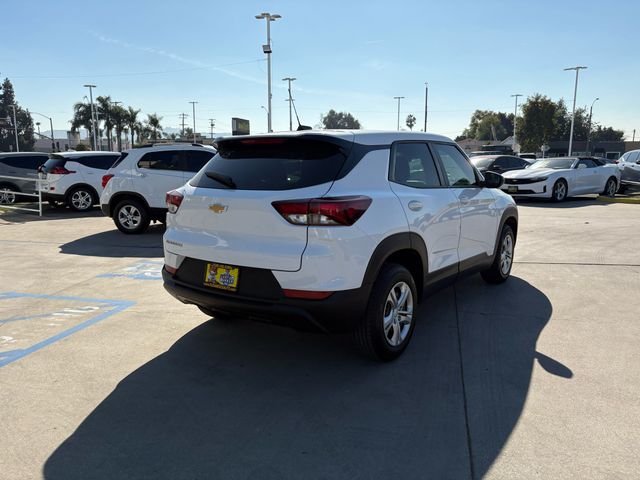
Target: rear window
(101,162)
(53,163)
(272,164)
(122,156)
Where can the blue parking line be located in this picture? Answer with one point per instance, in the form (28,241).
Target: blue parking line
(13,355)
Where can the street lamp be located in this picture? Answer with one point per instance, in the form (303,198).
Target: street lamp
(290,79)
(267,50)
(589,131)
(398,98)
(515,119)
(53,145)
(426,99)
(93,121)
(193,104)
(573,112)
(212,123)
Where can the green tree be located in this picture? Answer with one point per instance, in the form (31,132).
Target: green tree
(603,134)
(333,120)
(105,115)
(82,119)
(482,121)
(542,119)
(26,139)
(120,117)
(153,123)
(132,123)
(411,121)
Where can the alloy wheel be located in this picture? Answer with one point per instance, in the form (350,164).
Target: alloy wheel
(560,191)
(506,254)
(6,197)
(129,217)
(611,187)
(81,200)
(398,314)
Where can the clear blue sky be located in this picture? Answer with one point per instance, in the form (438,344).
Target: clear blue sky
(352,56)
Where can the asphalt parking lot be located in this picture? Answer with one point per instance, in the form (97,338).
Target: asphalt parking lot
(104,375)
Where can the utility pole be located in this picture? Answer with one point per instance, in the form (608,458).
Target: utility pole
(426,103)
(182,116)
(290,79)
(398,98)
(589,131)
(193,104)
(267,50)
(634,135)
(93,121)
(15,127)
(573,112)
(212,123)
(515,120)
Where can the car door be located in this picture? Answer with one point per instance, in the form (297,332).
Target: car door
(587,177)
(431,208)
(157,173)
(479,216)
(631,167)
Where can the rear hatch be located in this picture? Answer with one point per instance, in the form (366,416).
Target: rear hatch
(227,214)
(53,170)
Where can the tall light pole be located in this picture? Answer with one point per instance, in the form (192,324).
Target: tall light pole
(267,50)
(589,131)
(93,121)
(15,127)
(515,119)
(573,112)
(426,100)
(212,123)
(398,98)
(290,79)
(53,144)
(193,104)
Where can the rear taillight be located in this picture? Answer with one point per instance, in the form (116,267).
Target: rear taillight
(105,179)
(174,199)
(306,294)
(325,212)
(60,171)
(170,269)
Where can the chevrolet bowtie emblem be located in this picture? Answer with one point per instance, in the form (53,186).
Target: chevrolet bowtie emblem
(218,208)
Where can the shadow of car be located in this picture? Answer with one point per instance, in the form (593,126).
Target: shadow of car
(238,399)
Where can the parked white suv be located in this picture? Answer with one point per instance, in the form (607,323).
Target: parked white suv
(136,185)
(75,178)
(337,231)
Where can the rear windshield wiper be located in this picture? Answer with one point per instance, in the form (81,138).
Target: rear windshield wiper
(220,178)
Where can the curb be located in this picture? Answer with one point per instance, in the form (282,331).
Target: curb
(629,200)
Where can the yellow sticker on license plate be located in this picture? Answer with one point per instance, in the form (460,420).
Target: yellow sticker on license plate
(224,277)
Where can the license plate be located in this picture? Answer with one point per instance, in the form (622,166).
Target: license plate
(512,189)
(224,277)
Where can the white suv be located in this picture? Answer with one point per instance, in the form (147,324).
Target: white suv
(136,185)
(335,230)
(75,178)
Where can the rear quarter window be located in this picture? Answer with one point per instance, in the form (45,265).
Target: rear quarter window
(101,162)
(273,164)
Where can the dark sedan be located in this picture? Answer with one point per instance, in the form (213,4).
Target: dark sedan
(499,163)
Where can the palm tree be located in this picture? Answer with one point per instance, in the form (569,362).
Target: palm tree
(153,122)
(105,109)
(132,122)
(82,119)
(120,117)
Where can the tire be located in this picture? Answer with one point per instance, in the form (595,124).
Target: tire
(81,199)
(371,335)
(559,191)
(610,188)
(500,269)
(215,314)
(131,216)
(7,198)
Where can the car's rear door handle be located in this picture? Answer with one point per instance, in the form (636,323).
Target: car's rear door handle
(415,205)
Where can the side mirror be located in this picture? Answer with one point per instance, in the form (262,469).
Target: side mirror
(492,180)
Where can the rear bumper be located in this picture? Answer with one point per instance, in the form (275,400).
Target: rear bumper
(338,313)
